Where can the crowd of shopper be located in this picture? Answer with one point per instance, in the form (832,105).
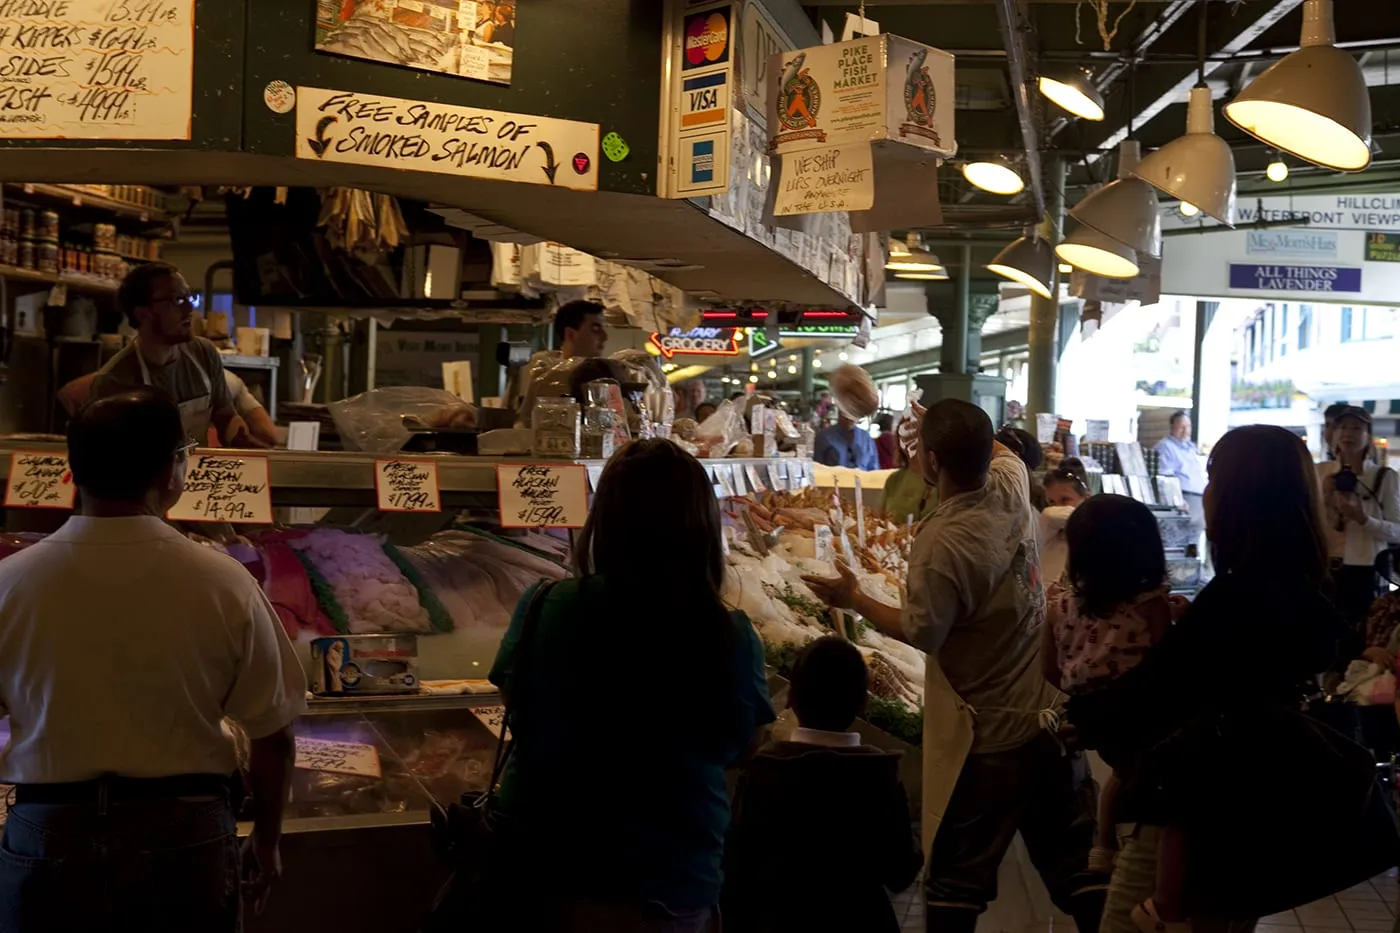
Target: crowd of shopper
(1229,801)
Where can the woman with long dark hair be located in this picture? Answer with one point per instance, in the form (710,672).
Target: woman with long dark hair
(634,692)
(1207,732)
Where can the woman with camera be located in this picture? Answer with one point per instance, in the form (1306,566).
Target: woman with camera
(1361,509)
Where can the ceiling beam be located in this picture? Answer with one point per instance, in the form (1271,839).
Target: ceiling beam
(1144,41)
(1176,92)
(1011,17)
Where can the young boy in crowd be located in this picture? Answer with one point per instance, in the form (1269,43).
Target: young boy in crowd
(821,829)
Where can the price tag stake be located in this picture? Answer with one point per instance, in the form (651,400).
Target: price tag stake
(39,480)
(542,495)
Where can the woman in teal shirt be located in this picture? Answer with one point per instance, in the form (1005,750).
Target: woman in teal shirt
(639,688)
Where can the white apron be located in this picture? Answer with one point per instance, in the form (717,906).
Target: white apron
(947,741)
(196,413)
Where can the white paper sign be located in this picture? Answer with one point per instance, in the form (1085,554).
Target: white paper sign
(337,757)
(1096,430)
(752,472)
(835,178)
(542,495)
(1046,424)
(222,488)
(826,549)
(724,475)
(96,69)
(407,486)
(39,480)
(426,136)
(493,718)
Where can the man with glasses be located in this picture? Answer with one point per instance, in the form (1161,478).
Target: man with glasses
(123,647)
(155,299)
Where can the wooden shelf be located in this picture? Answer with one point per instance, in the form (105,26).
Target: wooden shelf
(71,280)
(76,197)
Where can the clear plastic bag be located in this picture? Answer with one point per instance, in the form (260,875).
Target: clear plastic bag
(720,433)
(378,421)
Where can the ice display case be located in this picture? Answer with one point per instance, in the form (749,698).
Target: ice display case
(357,840)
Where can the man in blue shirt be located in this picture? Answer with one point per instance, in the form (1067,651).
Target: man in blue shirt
(844,444)
(1178,457)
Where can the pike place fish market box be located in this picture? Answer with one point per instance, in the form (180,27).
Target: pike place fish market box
(364,665)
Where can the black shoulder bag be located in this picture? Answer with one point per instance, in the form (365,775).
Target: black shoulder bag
(464,834)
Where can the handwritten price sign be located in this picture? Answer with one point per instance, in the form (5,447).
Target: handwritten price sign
(97,69)
(538,495)
(39,481)
(225,489)
(337,757)
(407,486)
(493,718)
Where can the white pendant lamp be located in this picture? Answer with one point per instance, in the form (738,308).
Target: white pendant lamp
(1088,249)
(994,176)
(1197,168)
(1073,90)
(1125,209)
(1028,261)
(911,257)
(1312,103)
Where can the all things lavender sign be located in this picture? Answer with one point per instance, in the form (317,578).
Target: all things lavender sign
(1288,278)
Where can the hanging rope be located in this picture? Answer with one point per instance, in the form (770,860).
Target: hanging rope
(1100,8)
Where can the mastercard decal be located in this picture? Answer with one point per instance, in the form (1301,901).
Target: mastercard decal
(706,39)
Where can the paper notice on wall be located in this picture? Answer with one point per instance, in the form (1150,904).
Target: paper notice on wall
(834,178)
(39,480)
(427,136)
(337,757)
(96,69)
(220,488)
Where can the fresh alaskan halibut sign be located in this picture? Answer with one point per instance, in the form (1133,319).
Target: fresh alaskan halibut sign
(425,136)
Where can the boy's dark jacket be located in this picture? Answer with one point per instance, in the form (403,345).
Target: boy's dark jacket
(818,835)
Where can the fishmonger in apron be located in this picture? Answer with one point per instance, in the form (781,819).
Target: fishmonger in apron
(196,413)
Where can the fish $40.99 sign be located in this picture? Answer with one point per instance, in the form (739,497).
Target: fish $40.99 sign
(423,136)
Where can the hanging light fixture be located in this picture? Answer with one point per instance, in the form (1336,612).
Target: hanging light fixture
(994,175)
(1188,209)
(1197,168)
(1088,249)
(941,276)
(1074,91)
(1125,209)
(1028,261)
(1277,171)
(1312,103)
(912,257)
(1066,268)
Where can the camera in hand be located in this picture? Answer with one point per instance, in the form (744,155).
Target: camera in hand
(1346,480)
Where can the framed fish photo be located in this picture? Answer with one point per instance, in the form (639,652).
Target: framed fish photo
(466,38)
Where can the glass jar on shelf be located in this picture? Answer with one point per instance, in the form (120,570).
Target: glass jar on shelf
(555,424)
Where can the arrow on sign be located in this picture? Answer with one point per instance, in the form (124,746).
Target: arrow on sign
(320,144)
(550,166)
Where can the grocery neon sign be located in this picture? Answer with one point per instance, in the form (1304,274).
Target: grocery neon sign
(698,341)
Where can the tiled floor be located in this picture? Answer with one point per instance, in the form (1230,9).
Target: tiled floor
(1367,908)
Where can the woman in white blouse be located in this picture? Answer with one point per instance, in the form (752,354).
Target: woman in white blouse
(1361,504)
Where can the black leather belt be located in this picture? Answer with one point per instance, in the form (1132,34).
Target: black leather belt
(114,789)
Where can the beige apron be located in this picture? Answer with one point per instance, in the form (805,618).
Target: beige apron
(947,741)
(196,413)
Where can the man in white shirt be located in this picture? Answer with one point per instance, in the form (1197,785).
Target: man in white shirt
(123,647)
(976,604)
(1177,456)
